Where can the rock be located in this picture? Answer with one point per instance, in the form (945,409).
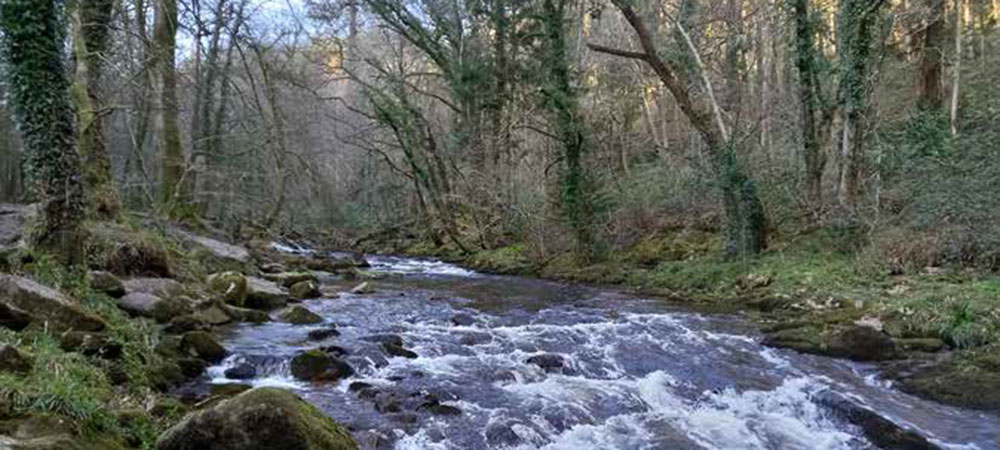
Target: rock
(227,390)
(90,344)
(474,338)
(264,295)
(549,362)
(358,386)
(926,345)
(289,279)
(862,343)
(150,306)
(305,290)
(272,268)
(186,323)
(230,285)
(437,408)
(22,299)
(191,367)
(880,431)
(316,365)
(322,333)
(334,350)
(13,318)
(463,320)
(859,343)
(160,287)
(501,435)
(967,381)
(299,315)
(51,432)
(214,313)
(14,361)
(390,339)
(247,315)
(259,419)
(363,288)
(234,255)
(241,372)
(106,282)
(202,345)
(397,350)
(12,218)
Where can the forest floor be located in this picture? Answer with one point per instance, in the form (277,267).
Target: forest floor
(941,326)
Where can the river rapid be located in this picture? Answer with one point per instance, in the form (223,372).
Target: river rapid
(517,363)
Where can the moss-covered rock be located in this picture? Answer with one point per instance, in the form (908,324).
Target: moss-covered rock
(858,343)
(202,345)
(14,361)
(259,419)
(968,381)
(122,251)
(263,294)
(299,315)
(247,315)
(160,287)
(304,290)
(288,279)
(49,432)
(24,300)
(106,282)
(230,286)
(317,365)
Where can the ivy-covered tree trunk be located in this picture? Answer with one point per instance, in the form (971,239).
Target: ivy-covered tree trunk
(90,20)
(561,100)
(33,38)
(173,194)
(805,63)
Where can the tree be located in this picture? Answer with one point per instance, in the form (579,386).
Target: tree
(33,38)
(173,192)
(561,100)
(745,221)
(816,118)
(931,87)
(90,20)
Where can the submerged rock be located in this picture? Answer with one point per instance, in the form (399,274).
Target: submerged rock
(259,419)
(300,315)
(317,365)
(880,431)
(24,301)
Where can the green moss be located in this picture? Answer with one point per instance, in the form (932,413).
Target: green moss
(503,260)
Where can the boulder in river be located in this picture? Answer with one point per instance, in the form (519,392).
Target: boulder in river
(882,432)
(322,333)
(397,350)
(202,345)
(300,315)
(463,320)
(305,290)
(263,294)
(363,288)
(858,343)
(317,365)
(549,362)
(230,285)
(289,279)
(243,371)
(24,301)
(258,419)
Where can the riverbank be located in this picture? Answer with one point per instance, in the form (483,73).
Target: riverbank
(937,330)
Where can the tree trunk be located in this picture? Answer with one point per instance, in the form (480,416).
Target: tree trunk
(33,39)
(805,62)
(90,20)
(931,88)
(173,195)
(957,68)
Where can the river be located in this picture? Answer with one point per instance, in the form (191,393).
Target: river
(622,372)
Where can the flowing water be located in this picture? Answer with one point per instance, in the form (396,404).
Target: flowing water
(636,373)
